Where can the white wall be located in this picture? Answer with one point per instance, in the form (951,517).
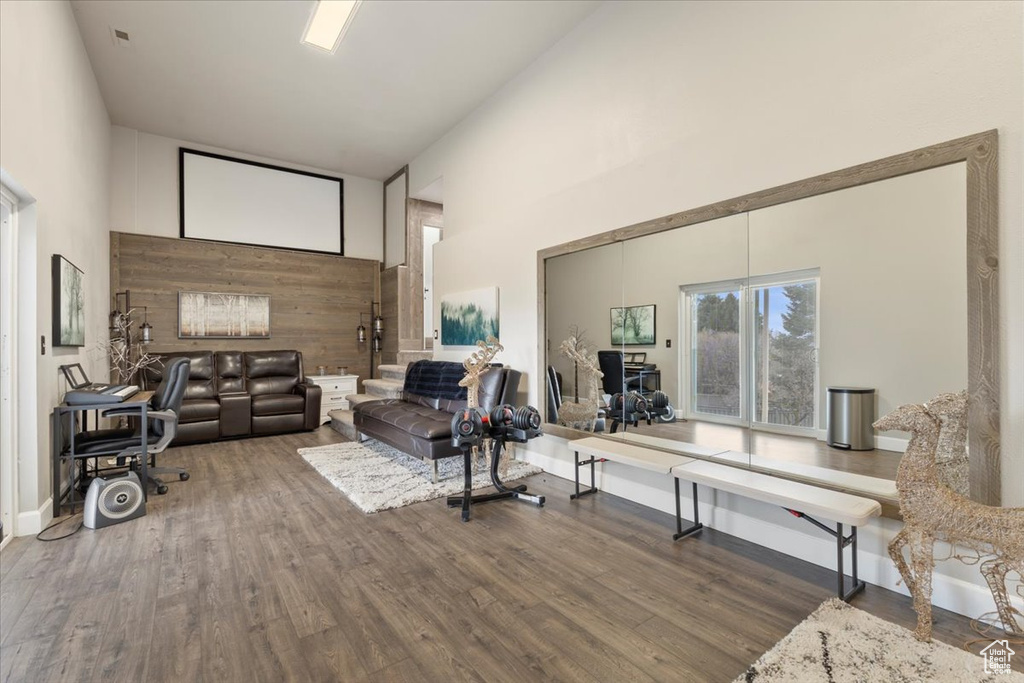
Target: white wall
(144,190)
(649,108)
(55,145)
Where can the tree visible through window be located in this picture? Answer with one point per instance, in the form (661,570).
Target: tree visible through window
(778,343)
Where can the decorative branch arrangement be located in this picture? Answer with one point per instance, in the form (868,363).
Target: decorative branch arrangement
(932,511)
(127,359)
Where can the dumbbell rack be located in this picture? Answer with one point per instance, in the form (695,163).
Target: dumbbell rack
(503,492)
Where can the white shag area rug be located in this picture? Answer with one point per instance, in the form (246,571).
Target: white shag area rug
(839,644)
(376,477)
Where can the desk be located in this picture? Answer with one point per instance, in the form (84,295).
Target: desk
(60,453)
(650,380)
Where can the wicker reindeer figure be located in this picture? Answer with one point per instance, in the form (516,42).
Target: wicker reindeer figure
(951,450)
(582,414)
(475,366)
(932,511)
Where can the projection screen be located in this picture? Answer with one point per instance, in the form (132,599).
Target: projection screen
(233,200)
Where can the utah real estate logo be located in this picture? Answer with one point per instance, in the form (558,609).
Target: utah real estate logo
(997,657)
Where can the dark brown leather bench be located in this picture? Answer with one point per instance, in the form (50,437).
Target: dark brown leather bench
(419,423)
(236,393)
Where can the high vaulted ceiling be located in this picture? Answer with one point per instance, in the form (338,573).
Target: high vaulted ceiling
(233,73)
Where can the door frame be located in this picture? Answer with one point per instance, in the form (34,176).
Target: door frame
(8,364)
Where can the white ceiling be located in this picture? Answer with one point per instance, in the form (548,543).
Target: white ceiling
(233,73)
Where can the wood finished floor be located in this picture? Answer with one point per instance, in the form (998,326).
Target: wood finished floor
(258,570)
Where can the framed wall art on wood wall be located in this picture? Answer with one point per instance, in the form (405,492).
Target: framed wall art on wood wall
(68,303)
(216,315)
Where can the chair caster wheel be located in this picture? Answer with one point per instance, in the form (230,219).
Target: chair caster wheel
(183,476)
(162,489)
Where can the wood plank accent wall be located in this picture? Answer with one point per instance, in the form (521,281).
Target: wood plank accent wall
(315,299)
(419,213)
(391,282)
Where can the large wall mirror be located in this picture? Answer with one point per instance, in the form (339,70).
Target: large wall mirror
(746,324)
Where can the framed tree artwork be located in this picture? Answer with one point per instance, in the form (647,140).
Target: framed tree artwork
(633,325)
(68,303)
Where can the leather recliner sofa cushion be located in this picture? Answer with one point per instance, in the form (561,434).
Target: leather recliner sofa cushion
(198,410)
(277,404)
(276,372)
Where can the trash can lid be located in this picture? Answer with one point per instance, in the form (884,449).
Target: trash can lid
(851,390)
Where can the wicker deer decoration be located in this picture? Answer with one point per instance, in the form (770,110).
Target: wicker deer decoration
(582,414)
(932,511)
(475,365)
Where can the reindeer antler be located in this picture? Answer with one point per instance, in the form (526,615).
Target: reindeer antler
(477,362)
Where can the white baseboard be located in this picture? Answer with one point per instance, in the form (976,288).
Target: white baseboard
(32,522)
(957,587)
(885,443)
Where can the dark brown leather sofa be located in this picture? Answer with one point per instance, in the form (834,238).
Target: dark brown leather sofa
(420,423)
(235,393)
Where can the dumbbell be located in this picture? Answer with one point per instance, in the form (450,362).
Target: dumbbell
(467,428)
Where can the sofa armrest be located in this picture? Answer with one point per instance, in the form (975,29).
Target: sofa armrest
(313,395)
(235,413)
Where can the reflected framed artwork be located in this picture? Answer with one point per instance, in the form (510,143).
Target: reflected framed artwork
(633,325)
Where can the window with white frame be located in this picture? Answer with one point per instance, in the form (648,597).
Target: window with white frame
(753,351)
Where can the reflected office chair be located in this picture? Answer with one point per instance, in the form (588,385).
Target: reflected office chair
(613,365)
(162,419)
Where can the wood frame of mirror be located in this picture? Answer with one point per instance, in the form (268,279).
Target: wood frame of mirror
(980,153)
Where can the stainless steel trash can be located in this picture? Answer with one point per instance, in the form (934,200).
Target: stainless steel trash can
(851,411)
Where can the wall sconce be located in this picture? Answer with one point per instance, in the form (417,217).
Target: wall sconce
(146,328)
(361,331)
(378,332)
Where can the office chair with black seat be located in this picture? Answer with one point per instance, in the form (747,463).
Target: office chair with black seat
(161,426)
(613,366)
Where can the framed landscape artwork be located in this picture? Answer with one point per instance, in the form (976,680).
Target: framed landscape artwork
(68,303)
(633,325)
(467,317)
(214,315)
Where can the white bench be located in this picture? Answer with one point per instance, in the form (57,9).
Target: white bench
(802,500)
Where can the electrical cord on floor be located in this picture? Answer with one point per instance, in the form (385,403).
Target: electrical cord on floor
(57,523)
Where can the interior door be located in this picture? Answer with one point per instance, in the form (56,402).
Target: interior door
(431,236)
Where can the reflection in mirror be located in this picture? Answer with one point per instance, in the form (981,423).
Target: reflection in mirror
(581,288)
(690,279)
(858,305)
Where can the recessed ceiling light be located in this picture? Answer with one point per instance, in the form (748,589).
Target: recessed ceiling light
(330,20)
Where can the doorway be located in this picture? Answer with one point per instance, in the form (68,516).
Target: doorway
(431,236)
(8,251)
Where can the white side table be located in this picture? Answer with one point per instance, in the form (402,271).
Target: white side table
(334,389)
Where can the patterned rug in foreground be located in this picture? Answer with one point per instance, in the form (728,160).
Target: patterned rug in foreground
(376,477)
(840,643)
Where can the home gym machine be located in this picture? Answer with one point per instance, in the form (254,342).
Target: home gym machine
(504,424)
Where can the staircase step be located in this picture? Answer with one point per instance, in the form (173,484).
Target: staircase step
(406,357)
(356,399)
(383,388)
(342,421)
(396,372)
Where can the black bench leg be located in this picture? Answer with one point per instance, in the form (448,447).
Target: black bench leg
(841,543)
(576,466)
(697,526)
